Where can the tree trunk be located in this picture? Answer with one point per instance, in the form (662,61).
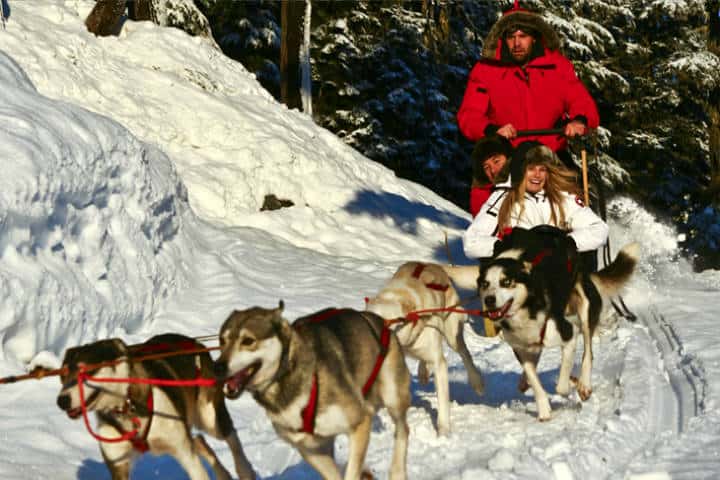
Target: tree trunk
(428,34)
(104,18)
(713,7)
(139,10)
(306,88)
(291,16)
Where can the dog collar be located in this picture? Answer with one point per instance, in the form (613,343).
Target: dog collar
(138,439)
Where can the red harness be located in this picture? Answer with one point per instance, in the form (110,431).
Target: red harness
(139,442)
(309,413)
(538,258)
(432,286)
(542,334)
(135,437)
(546,253)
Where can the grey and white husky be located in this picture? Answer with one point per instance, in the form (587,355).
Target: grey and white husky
(161,416)
(419,286)
(324,375)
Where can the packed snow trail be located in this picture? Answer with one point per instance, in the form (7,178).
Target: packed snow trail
(685,376)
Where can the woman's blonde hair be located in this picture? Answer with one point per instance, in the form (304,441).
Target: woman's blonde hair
(560,179)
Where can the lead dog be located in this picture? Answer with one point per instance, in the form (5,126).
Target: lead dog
(417,286)
(165,414)
(325,375)
(519,303)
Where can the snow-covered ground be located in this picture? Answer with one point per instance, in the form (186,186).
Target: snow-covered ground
(134,169)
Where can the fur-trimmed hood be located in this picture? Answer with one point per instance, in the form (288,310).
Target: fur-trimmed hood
(522,18)
(526,153)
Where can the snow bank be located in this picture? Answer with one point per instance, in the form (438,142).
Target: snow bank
(89,215)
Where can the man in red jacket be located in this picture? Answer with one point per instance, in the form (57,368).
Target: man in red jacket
(523,82)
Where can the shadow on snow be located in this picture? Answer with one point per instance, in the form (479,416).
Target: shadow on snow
(405,214)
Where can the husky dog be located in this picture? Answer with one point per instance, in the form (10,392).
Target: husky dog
(518,299)
(417,286)
(520,305)
(325,375)
(161,416)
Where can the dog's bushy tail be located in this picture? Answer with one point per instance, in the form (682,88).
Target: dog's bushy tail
(612,278)
(463,276)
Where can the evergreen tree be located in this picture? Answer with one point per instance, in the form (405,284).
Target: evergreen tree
(389,77)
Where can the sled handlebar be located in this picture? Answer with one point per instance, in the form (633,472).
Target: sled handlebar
(543,132)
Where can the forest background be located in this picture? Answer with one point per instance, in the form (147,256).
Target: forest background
(388,76)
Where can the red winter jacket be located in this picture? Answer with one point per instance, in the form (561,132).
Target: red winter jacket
(478,196)
(538,96)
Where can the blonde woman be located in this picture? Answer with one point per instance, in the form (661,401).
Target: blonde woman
(539,191)
(541,194)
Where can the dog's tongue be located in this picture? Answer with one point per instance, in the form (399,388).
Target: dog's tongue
(74,413)
(500,312)
(237,381)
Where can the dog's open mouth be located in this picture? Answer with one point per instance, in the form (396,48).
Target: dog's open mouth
(499,313)
(74,413)
(235,384)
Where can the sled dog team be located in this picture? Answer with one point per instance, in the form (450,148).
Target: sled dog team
(328,373)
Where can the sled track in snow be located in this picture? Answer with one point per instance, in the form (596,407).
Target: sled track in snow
(685,375)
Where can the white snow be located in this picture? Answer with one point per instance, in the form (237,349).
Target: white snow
(133,173)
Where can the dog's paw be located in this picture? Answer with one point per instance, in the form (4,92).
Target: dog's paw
(544,410)
(476,382)
(584,391)
(523,384)
(423,373)
(544,414)
(479,387)
(366,475)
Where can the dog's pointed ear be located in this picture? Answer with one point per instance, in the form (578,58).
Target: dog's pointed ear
(279,323)
(527,267)
(277,318)
(120,346)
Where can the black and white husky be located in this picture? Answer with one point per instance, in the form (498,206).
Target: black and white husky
(152,418)
(519,301)
(324,375)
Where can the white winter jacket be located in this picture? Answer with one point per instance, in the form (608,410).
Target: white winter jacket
(588,230)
